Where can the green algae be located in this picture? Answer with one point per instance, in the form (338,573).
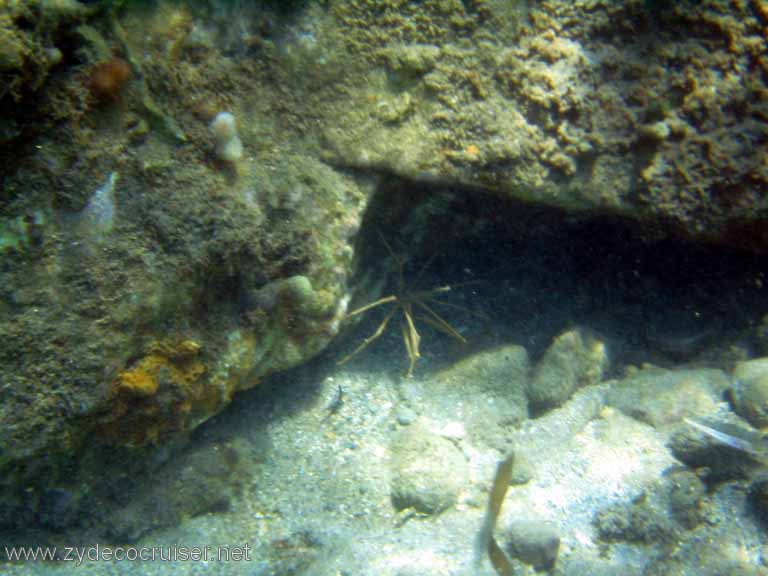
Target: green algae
(21,232)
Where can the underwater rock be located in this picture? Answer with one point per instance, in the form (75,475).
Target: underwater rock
(428,472)
(658,396)
(758,495)
(718,461)
(204,479)
(26,32)
(643,522)
(534,542)
(549,431)
(749,393)
(587,458)
(57,509)
(405,416)
(686,495)
(501,373)
(411,60)
(13,50)
(159,395)
(22,233)
(636,149)
(133,266)
(572,360)
(716,555)
(672,505)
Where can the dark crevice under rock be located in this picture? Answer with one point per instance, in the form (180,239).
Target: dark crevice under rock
(525,273)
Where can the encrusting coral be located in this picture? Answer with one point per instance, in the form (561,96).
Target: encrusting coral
(159,393)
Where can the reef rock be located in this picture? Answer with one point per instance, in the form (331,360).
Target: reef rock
(428,471)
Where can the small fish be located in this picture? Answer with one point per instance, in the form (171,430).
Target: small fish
(336,403)
(485,542)
(737,437)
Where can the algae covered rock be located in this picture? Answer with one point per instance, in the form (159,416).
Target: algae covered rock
(573,360)
(27,53)
(411,60)
(721,553)
(569,109)
(428,471)
(534,542)
(13,50)
(658,396)
(686,498)
(667,508)
(718,460)
(750,391)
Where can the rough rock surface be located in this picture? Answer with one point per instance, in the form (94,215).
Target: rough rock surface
(580,104)
(661,397)
(750,391)
(572,360)
(201,277)
(428,471)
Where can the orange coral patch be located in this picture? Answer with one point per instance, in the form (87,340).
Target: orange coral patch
(138,381)
(161,394)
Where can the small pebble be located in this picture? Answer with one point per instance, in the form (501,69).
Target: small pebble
(405,416)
